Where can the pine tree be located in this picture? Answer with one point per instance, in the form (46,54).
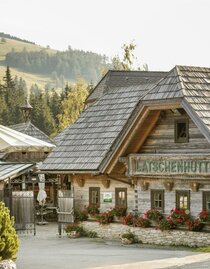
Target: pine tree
(8,238)
(13,96)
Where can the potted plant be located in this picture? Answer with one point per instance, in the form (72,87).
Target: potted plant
(92,211)
(128,238)
(74,230)
(179,216)
(153,215)
(81,215)
(141,222)
(119,212)
(104,218)
(194,225)
(165,224)
(204,216)
(128,219)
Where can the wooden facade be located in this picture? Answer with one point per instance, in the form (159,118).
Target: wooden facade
(150,140)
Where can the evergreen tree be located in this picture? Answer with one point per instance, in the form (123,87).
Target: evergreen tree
(8,238)
(11,98)
(41,115)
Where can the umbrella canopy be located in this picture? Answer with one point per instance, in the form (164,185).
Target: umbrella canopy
(42,195)
(11,140)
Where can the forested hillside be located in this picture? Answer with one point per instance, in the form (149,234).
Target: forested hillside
(57,67)
(70,64)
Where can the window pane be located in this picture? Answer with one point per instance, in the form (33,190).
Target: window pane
(121,197)
(157,197)
(181,129)
(183,201)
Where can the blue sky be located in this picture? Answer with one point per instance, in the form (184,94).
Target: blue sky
(167,32)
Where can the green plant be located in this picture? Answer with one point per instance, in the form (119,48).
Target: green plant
(81,215)
(119,211)
(92,234)
(128,219)
(73,227)
(194,225)
(104,218)
(92,210)
(8,238)
(165,224)
(153,214)
(204,216)
(128,235)
(179,216)
(141,222)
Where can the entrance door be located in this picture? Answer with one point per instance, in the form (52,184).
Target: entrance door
(65,208)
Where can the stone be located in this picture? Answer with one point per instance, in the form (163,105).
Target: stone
(7,264)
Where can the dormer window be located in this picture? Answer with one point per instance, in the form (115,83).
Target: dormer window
(181,127)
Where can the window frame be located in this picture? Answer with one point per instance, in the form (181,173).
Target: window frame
(90,196)
(178,194)
(204,194)
(152,196)
(181,139)
(117,190)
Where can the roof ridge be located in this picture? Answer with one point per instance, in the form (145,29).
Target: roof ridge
(177,71)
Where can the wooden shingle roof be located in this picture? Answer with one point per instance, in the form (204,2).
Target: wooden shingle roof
(29,129)
(87,141)
(121,78)
(190,83)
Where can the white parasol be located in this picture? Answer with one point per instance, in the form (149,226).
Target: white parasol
(42,195)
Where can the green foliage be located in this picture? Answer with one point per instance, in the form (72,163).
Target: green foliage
(119,211)
(153,214)
(73,104)
(194,225)
(104,218)
(92,210)
(179,216)
(129,219)
(70,63)
(141,222)
(12,96)
(73,227)
(128,235)
(81,215)
(165,224)
(128,58)
(92,234)
(8,238)
(207,249)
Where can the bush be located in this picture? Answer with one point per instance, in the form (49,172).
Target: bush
(81,215)
(129,219)
(179,216)
(119,211)
(92,210)
(153,214)
(8,238)
(104,218)
(128,235)
(204,216)
(165,224)
(194,225)
(92,234)
(73,227)
(141,222)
